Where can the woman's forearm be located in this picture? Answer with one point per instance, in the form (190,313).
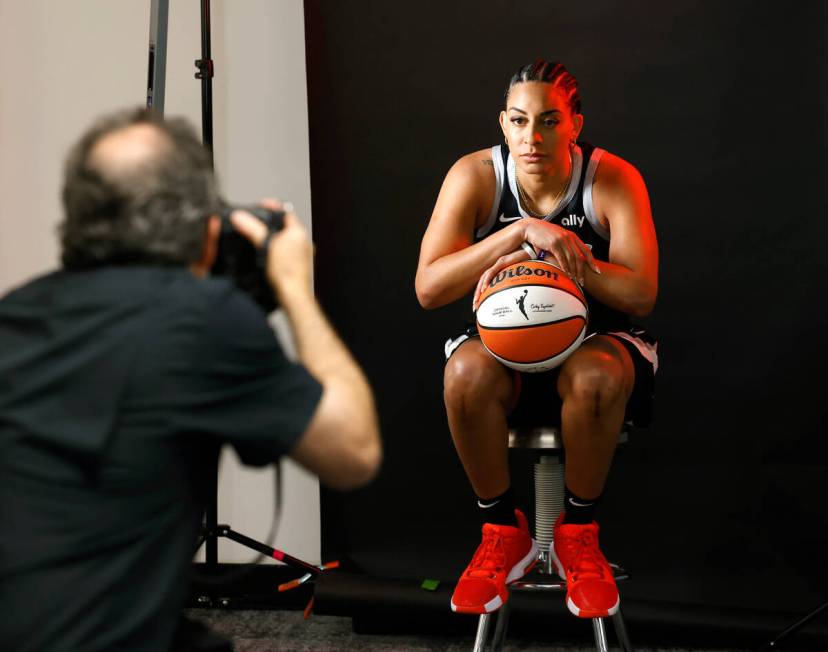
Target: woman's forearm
(454,275)
(621,288)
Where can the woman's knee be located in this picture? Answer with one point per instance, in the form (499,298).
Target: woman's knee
(471,378)
(598,380)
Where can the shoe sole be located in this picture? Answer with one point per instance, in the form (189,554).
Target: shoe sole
(518,570)
(592,614)
(573,608)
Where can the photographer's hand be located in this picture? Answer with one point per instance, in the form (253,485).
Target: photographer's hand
(342,444)
(290,251)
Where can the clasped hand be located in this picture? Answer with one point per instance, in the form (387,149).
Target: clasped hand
(563,248)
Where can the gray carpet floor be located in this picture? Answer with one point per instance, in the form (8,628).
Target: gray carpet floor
(287,631)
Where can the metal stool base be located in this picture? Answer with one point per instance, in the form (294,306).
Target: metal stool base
(502,623)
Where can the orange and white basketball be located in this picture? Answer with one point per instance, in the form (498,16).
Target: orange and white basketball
(532,316)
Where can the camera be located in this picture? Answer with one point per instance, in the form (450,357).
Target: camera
(241,261)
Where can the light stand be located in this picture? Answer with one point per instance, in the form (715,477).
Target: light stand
(211,530)
(205,74)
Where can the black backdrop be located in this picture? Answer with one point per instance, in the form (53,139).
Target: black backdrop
(722,108)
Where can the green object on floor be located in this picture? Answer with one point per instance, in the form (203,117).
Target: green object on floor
(430,585)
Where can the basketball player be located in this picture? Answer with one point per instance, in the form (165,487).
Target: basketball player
(544,193)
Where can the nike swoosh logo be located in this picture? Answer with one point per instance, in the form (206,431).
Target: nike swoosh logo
(503,218)
(577,504)
(482,506)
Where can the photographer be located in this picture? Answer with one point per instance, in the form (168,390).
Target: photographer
(122,375)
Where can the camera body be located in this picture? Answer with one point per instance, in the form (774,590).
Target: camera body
(241,261)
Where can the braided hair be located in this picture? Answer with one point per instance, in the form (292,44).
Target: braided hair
(548,72)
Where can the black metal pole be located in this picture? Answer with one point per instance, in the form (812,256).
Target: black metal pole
(205,74)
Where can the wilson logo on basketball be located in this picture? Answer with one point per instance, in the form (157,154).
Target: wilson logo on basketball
(521,270)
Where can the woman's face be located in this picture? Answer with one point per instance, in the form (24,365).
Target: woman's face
(539,126)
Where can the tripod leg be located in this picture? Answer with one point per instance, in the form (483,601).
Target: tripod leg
(226,531)
(771,645)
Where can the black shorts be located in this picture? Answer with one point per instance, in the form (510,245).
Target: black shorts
(539,403)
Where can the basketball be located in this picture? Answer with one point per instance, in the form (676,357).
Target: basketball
(532,316)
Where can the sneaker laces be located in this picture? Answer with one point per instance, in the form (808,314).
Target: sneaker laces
(587,560)
(489,559)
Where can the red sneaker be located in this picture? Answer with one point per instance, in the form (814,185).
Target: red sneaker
(591,590)
(505,555)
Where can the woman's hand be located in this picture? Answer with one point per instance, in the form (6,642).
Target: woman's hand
(563,247)
(489,274)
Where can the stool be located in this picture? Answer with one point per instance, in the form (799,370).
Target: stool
(549,501)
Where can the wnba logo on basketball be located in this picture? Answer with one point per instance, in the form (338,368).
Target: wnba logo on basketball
(522,270)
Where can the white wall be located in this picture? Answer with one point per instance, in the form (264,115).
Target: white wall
(64,63)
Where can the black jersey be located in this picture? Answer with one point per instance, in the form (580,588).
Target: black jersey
(576,212)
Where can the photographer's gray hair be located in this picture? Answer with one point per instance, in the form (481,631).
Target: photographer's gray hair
(150,211)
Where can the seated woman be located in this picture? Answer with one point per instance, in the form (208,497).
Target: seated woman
(544,194)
